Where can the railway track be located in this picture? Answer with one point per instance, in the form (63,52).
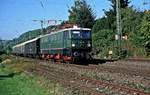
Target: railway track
(138,59)
(124,68)
(85,84)
(66,82)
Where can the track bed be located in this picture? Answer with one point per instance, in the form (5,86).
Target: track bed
(113,78)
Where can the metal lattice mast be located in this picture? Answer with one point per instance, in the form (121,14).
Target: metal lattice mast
(119,30)
(118,16)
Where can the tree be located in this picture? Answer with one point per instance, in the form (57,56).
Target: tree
(103,41)
(100,24)
(111,14)
(145,32)
(81,13)
(130,20)
(123,3)
(107,26)
(145,28)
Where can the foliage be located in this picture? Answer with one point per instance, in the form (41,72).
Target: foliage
(135,25)
(81,13)
(109,20)
(123,3)
(100,24)
(145,28)
(103,41)
(145,32)
(4,47)
(104,30)
(1,46)
(29,35)
(130,20)
(1,43)
(111,14)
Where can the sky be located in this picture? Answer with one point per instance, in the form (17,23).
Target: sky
(16,16)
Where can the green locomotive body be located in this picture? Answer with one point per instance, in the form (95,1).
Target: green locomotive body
(67,44)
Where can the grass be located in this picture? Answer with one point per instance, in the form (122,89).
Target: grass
(20,85)
(13,80)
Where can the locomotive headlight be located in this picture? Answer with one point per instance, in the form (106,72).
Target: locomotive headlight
(89,45)
(73,45)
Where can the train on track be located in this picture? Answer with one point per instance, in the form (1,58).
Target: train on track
(67,45)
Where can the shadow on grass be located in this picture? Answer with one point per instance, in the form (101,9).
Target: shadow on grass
(4,76)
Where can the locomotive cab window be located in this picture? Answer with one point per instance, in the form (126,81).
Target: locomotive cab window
(75,34)
(86,34)
(81,34)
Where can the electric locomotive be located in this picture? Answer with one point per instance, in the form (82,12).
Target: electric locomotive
(68,44)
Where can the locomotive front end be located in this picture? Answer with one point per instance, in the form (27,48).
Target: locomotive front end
(81,43)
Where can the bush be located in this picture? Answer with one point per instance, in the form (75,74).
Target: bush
(103,42)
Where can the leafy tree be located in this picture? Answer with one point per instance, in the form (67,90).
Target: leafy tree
(103,41)
(107,26)
(145,28)
(111,14)
(101,24)
(109,21)
(145,32)
(81,13)
(123,3)
(130,20)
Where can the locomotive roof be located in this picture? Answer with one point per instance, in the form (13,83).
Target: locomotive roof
(76,28)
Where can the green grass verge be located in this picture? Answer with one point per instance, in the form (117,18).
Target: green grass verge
(20,85)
